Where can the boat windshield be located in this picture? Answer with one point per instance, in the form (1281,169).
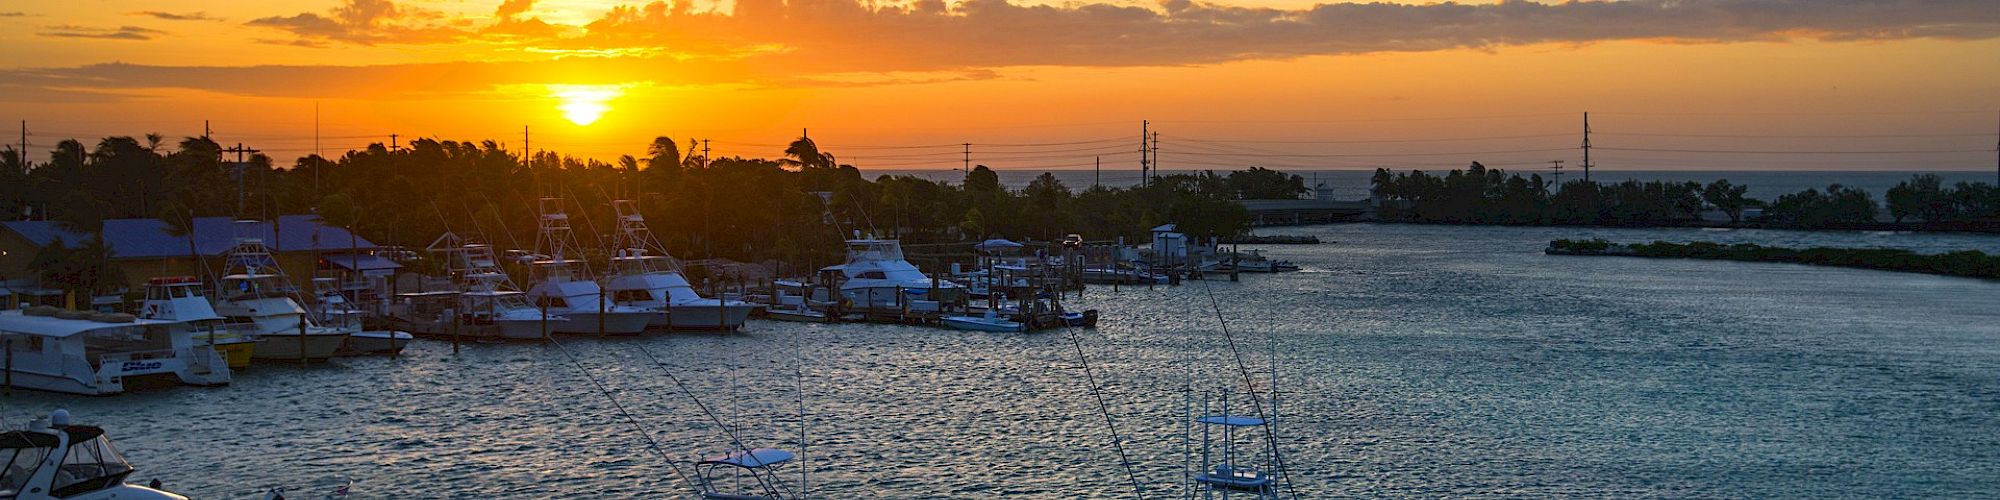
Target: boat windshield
(20,454)
(90,465)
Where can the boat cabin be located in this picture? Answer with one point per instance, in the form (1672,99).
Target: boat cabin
(53,458)
(96,353)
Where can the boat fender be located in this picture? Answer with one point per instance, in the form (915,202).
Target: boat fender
(41,311)
(72,314)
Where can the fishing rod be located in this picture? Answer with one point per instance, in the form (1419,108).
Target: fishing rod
(634,421)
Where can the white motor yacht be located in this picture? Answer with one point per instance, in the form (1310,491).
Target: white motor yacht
(644,276)
(257,299)
(564,287)
(182,298)
(53,458)
(875,276)
(487,304)
(95,354)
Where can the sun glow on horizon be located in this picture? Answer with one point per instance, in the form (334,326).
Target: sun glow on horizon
(585,104)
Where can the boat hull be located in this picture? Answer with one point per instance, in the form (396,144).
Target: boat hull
(711,315)
(982,325)
(311,346)
(615,323)
(377,342)
(236,354)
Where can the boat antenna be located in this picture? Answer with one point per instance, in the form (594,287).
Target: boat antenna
(1250,386)
(651,443)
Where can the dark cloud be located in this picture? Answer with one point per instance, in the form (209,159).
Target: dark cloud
(13,14)
(927,34)
(171,16)
(827,42)
(119,33)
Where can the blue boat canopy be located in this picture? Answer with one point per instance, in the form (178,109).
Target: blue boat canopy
(996,244)
(1231,420)
(760,457)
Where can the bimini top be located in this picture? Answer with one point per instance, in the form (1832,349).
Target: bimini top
(1231,420)
(50,326)
(760,457)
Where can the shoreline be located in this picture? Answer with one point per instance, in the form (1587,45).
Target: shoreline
(1964,263)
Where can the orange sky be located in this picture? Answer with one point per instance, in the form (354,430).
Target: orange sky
(1899,85)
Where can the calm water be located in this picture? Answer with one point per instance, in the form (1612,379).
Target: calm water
(1353,184)
(1416,361)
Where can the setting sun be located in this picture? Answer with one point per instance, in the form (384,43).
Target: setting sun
(584,104)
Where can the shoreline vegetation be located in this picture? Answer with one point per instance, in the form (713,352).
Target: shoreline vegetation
(735,208)
(1967,263)
(1479,195)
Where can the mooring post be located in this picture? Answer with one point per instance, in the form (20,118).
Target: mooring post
(302,340)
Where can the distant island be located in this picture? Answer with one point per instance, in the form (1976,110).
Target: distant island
(1479,195)
(1969,263)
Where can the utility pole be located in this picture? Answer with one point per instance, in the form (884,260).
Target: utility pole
(704,153)
(1586,146)
(1097,182)
(241,164)
(1145,167)
(394,144)
(527,154)
(1559,172)
(204,129)
(968,159)
(24,146)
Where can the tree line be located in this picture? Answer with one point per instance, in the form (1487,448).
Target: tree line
(746,209)
(1480,195)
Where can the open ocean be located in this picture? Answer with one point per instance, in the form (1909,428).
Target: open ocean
(1353,184)
(1415,361)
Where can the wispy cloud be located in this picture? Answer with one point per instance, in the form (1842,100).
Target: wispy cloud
(172,16)
(928,34)
(119,33)
(13,14)
(829,42)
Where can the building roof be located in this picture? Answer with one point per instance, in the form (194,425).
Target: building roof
(149,239)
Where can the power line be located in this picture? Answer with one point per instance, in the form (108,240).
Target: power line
(1795,152)
(1370,141)
(1377,155)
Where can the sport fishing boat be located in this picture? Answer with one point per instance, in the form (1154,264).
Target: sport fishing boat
(487,302)
(53,458)
(876,276)
(257,299)
(565,287)
(645,277)
(336,311)
(182,298)
(89,353)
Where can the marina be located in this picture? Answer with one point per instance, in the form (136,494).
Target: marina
(1366,401)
